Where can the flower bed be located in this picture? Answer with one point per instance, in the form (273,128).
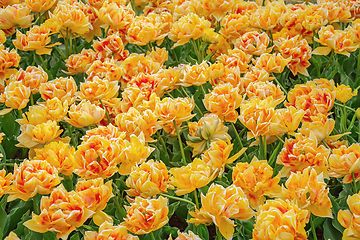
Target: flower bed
(169,119)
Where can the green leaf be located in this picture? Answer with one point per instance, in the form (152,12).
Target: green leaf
(17,214)
(52,236)
(33,236)
(3,216)
(8,125)
(172,208)
(203,232)
(330,232)
(20,228)
(74,237)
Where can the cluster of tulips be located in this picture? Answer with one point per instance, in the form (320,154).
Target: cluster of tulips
(237,115)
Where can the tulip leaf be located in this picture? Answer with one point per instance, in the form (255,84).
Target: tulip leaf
(20,228)
(330,232)
(33,236)
(16,213)
(3,216)
(172,208)
(52,236)
(74,237)
(203,232)
(8,125)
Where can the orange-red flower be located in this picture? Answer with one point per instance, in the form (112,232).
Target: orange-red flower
(60,155)
(175,110)
(16,15)
(223,101)
(345,161)
(62,88)
(8,59)
(253,43)
(32,77)
(188,27)
(33,177)
(79,63)
(278,218)
(188,178)
(95,195)
(219,205)
(133,152)
(309,190)
(256,180)
(146,215)
(5,181)
(85,114)
(108,231)
(302,152)
(148,179)
(62,213)
(349,219)
(298,50)
(97,157)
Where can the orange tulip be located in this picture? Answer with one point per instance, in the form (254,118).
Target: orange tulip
(146,215)
(31,178)
(62,213)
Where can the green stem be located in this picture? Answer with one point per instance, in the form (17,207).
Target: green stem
(313,227)
(354,183)
(106,112)
(239,140)
(281,86)
(180,143)
(280,139)
(71,134)
(358,66)
(42,63)
(345,118)
(32,99)
(328,63)
(203,90)
(66,40)
(70,41)
(348,108)
(264,148)
(326,145)
(152,236)
(177,199)
(196,199)
(36,203)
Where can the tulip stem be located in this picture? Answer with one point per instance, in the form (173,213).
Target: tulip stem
(32,99)
(180,143)
(326,145)
(358,66)
(71,134)
(263,151)
(239,140)
(177,198)
(196,199)
(43,63)
(348,108)
(354,183)
(328,63)
(313,227)
(280,139)
(106,112)
(344,118)
(203,90)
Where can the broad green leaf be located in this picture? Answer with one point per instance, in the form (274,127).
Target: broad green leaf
(330,232)
(74,237)
(172,208)
(3,216)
